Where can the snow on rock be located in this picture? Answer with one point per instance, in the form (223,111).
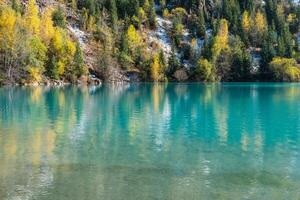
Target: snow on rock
(187,65)
(208,33)
(255,62)
(199,45)
(79,34)
(160,35)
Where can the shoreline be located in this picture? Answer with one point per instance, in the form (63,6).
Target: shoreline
(65,84)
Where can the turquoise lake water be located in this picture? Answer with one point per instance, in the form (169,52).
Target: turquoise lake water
(151,141)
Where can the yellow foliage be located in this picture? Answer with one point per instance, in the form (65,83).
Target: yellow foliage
(285,69)
(179,29)
(63,49)
(166,13)
(60,68)
(133,37)
(221,40)
(205,70)
(141,14)
(179,12)
(32,17)
(293,73)
(47,28)
(70,49)
(8,19)
(146,5)
(35,73)
(91,24)
(291,17)
(246,21)
(260,23)
(155,68)
(280,10)
(58,40)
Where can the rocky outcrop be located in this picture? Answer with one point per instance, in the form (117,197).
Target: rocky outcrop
(115,75)
(181,75)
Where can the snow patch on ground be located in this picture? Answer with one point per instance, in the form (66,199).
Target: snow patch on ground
(160,35)
(255,62)
(199,45)
(79,34)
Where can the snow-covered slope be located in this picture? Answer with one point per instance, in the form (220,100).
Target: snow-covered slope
(161,37)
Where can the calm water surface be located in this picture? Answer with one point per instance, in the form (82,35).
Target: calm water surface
(150,142)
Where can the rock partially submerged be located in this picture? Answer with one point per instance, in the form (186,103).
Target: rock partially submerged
(93,80)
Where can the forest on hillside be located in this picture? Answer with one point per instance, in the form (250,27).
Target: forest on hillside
(75,41)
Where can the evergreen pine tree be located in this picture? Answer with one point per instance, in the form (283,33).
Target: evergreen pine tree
(78,61)
(113,14)
(152,14)
(201,25)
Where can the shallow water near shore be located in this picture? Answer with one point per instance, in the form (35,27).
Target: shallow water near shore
(150,141)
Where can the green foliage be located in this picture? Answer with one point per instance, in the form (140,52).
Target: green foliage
(268,52)
(152,15)
(231,12)
(36,58)
(16,5)
(205,70)
(58,18)
(61,52)
(179,13)
(113,14)
(177,31)
(173,63)
(136,21)
(240,64)
(79,66)
(35,41)
(201,29)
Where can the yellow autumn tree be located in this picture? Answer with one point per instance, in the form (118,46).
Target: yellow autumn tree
(133,37)
(47,29)
(36,59)
(69,52)
(62,50)
(155,68)
(291,17)
(134,40)
(246,21)
(32,18)
(221,39)
(260,23)
(58,41)
(205,70)
(8,19)
(57,67)
(141,14)
(285,69)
